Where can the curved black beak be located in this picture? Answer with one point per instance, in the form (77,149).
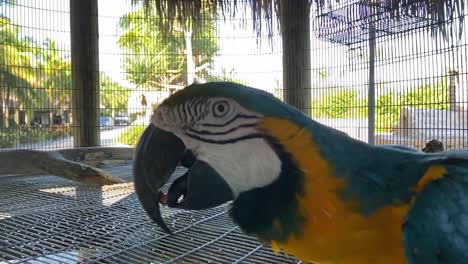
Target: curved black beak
(157,155)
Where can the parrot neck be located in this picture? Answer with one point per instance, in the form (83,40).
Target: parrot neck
(370,176)
(272,212)
(335,199)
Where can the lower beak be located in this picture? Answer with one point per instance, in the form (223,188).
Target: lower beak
(157,155)
(201,187)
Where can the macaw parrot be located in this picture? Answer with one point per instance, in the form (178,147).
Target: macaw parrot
(302,187)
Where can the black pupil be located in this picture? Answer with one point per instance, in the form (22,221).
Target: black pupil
(221,108)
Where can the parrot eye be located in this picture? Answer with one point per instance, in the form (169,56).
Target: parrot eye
(220,109)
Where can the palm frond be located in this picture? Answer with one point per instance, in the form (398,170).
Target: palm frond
(448,15)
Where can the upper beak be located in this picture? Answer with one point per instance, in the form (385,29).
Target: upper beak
(156,157)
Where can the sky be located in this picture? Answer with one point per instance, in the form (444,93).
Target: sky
(259,65)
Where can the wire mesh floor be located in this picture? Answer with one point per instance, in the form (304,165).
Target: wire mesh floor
(46,219)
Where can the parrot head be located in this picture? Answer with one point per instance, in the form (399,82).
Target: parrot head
(221,132)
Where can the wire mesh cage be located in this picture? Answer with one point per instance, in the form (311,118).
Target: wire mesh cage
(420,93)
(383,76)
(52,220)
(139,66)
(410,66)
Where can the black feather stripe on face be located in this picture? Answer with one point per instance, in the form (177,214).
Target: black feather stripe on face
(232,120)
(228,132)
(225,141)
(227,126)
(224,132)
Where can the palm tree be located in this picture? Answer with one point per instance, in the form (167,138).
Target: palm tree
(17,71)
(113,96)
(161,59)
(32,76)
(55,75)
(441,11)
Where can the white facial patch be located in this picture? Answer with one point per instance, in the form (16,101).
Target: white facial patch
(244,165)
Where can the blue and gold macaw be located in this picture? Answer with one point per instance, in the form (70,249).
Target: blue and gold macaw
(305,188)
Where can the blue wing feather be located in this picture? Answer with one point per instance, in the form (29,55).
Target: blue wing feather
(436,227)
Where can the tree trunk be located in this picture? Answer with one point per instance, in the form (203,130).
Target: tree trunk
(16,121)
(189,54)
(6,109)
(85,72)
(452,91)
(51,118)
(295,31)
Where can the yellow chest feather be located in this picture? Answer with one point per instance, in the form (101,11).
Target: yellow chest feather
(334,232)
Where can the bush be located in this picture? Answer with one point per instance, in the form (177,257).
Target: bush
(387,112)
(427,96)
(343,103)
(388,106)
(337,104)
(7,140)
(28,135)
(131,136)
(58,131)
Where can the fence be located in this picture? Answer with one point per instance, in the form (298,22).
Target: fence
(418,81)
(402,87)
(421,87)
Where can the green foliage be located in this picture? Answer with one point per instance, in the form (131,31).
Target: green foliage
(113,96)
(339,103)
(388,106)
(34,76)
(17,74)
(13,137)
(157,57)
(224,76)
(428,96)
(37,76)
(342,103)
(55,77)
(387,111)
(132,135)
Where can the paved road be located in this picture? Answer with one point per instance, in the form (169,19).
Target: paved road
(108,139)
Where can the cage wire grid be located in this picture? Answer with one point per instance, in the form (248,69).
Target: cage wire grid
(421,93)
(421,81)
(420,88)
(46,219)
